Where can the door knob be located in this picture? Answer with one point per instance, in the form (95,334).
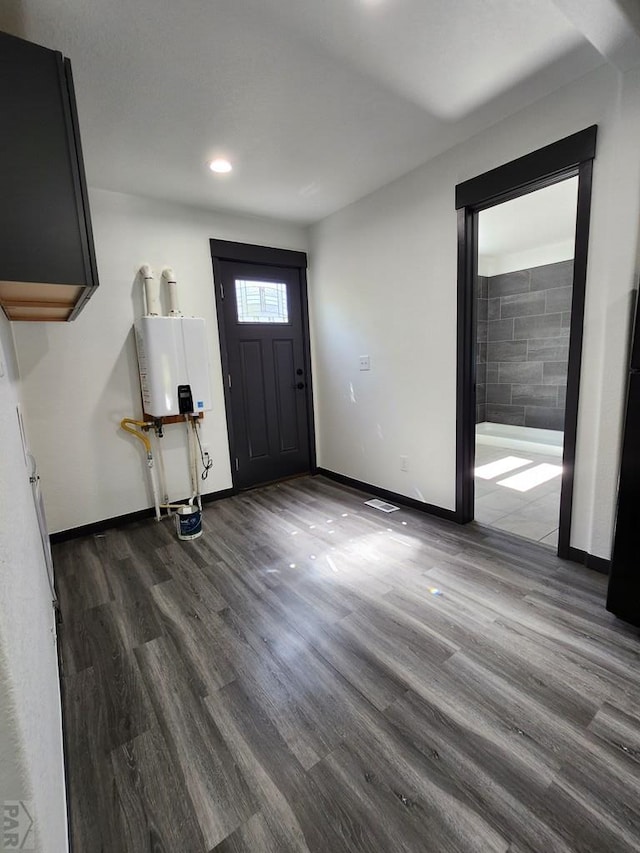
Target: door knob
(300,386)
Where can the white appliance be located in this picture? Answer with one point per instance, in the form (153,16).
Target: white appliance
(172,352)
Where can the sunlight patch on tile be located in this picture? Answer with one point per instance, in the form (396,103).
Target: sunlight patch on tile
(500,466)
(526,480)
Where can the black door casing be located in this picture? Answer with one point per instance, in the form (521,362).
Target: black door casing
(566,158)
(266,373)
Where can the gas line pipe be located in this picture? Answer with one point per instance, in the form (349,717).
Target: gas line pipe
(129,425)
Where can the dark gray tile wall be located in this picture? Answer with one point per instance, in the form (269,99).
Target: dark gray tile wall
(522,349)
(482,308)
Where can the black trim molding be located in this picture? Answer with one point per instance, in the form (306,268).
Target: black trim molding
(510,179)
(466,345)
(226,250)
(598,564)
(583,218)
(394,497)
(128,518)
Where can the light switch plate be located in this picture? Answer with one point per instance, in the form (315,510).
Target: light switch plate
(365,362)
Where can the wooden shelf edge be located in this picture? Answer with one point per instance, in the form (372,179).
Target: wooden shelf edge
(171,419)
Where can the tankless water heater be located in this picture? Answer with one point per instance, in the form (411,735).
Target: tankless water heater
(172,354)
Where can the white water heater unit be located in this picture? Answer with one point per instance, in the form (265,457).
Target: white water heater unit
(174,365)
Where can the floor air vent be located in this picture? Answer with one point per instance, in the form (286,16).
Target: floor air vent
(381,505)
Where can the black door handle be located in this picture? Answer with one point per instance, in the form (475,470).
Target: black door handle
(300,386)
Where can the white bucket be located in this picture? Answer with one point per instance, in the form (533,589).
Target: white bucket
(188,522)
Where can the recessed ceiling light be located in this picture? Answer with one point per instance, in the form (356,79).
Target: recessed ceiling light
(220,166)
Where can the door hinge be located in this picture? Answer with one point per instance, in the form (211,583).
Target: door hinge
(229,379)
(221,290)
(237,463)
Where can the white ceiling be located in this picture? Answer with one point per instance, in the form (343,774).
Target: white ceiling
(546,217)
(315,103)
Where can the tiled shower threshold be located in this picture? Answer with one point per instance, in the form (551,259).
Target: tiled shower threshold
(546,441)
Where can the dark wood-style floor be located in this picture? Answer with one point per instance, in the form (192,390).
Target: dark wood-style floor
(314,675)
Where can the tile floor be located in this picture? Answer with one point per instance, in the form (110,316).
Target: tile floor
(532,514)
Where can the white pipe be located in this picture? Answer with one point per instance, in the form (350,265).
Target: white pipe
(151,292)
(194,458)
(170,277)
(154,486)
(162,475)
(196,445)
(192,469)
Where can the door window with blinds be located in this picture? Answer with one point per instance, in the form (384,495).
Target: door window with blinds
(261,301)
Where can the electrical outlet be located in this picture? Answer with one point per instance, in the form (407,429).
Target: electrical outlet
(206,455)
(365,362)
(404,463)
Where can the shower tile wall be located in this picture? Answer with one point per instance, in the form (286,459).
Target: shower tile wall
(523,346)
(482,306)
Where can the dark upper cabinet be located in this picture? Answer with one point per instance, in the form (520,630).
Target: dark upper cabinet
(47,259)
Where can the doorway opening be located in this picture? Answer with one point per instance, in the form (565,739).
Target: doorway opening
(571,157)
(523,301)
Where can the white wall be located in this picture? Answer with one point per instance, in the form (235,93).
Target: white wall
(529,231)
(31,763)
(552,253)
(383,282)
(80,378)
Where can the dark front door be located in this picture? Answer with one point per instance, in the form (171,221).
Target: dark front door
(264,338)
